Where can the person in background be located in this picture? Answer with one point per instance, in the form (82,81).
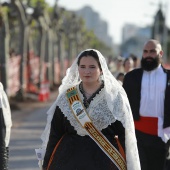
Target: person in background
(118,66)
(90,103)
(120,77)
(128,65)
(5,129)
(148,91)
(136,61)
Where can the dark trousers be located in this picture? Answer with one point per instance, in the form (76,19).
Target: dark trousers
(167,166)
(152,151)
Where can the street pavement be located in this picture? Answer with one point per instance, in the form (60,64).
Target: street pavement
(28,123)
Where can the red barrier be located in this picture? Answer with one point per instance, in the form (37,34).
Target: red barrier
(13,68)
(33,73)
(44,93)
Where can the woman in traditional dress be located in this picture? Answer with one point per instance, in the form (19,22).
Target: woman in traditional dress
(90,113)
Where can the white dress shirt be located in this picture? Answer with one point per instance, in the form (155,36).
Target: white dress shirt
(152,98)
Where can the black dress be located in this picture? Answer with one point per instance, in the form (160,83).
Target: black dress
(77,152)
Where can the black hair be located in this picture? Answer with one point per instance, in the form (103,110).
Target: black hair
(134,57)
(91,53)
(127,59)
(119,75)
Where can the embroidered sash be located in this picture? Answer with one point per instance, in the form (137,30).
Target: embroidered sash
(82,117)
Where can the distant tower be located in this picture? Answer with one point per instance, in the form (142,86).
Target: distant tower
(161,32)
(158,26)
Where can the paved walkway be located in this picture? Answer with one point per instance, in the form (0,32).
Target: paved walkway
(29,121)
(24,107)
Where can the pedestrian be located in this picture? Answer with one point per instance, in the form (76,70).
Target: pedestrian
(91,110)
(5,129)
(148,91)
(120,77)
(135,61)
(128,65)
(118,66)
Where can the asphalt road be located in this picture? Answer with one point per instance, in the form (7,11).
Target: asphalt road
(25,138)
(28,124)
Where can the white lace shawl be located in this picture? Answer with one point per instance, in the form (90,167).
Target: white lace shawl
(4,104)
(97,111)
(112,99)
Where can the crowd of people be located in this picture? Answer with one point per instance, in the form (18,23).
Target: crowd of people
(120,66)
(105,118)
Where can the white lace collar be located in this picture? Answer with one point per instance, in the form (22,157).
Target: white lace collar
(98,112)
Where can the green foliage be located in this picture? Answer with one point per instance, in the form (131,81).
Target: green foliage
(3,10)
(3,13)
(63,22)
(35,3)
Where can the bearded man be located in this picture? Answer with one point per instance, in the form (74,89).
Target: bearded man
(148,91)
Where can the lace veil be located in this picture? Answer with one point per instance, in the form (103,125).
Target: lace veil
(112,90)
(4,104)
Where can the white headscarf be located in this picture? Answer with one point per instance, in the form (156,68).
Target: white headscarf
(113,90)
(4,104)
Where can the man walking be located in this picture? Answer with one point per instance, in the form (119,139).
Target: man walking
(148,91)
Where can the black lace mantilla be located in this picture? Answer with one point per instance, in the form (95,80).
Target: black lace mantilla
(86,101)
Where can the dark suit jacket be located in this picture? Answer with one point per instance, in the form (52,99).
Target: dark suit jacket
(132,86)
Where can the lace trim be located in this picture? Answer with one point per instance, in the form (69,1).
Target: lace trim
(87,101)
(97,111)
(4,104)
